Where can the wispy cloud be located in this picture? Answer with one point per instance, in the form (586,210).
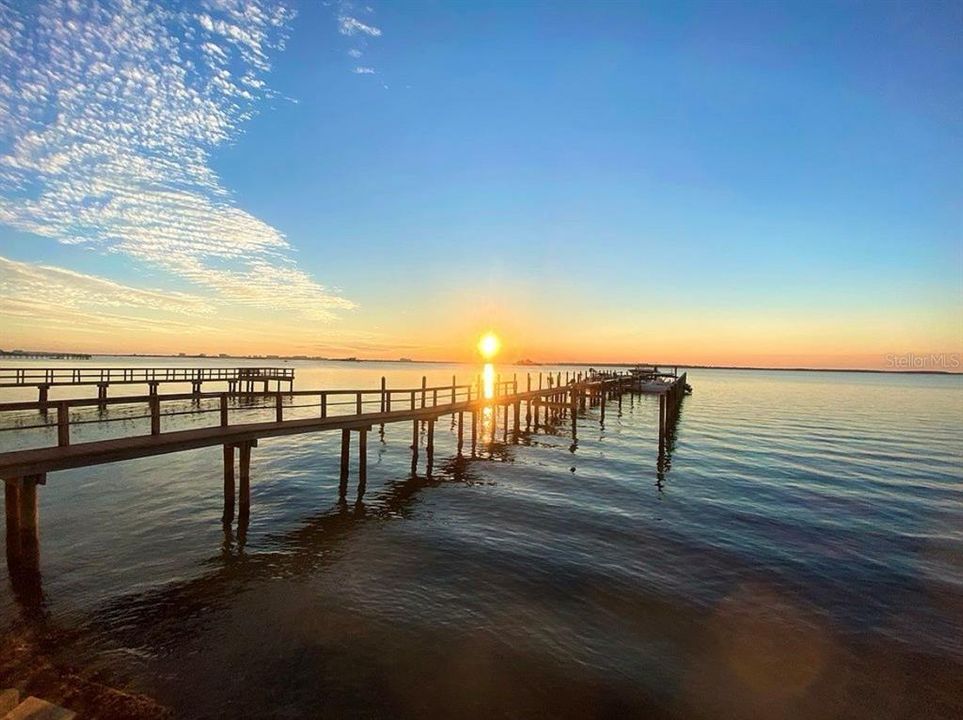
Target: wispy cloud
(359,31)
(348,25)
(109,113)
(26,283)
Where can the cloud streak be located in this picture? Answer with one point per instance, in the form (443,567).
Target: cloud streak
(109,114)
(348,25)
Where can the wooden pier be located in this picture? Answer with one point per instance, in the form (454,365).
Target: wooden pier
(241,379)
(549,403)
(41,355)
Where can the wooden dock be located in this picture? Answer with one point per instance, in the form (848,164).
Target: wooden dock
(550,403)
(41,355)
(240,379)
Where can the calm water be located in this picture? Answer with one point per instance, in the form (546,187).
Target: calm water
(802,557)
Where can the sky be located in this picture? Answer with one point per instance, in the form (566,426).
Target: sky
(739,183)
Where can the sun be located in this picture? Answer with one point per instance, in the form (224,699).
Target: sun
(489,345)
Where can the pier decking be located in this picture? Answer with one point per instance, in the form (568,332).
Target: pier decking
(553,402)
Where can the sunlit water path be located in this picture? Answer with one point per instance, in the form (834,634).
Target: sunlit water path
(802,556)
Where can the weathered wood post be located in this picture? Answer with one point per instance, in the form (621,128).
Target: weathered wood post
(430,448)
(278,408)
(155,415)
(29,557)
(474,431)
(357,403)
(228,483)
(573,404)
(362,461)
(424,386)
(63,424)
(384,405)
(244,492)
(42,399)
(223,409)
(461,431)
(518,417)
(453,390)
(11,498)
(602,404)
(102,395)
(661,423)
(345,449)
(414,444)
(324,405)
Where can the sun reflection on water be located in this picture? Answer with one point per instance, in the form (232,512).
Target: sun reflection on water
(488,412)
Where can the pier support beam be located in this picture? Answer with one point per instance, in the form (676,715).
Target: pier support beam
(362,461)
(430,449)
(102,395)
(23,522)
(244,491)
(474,431)
(345,450)
(414,446)
(11,497)
(461,431)
(228,483)
(43,391)
(662,423)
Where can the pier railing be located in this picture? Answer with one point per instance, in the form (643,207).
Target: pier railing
(19,377)
(160,408)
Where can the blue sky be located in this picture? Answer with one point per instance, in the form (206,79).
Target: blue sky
(783,179)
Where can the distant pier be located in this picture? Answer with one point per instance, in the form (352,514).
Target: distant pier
(549,401)
(241,379)
(41,355)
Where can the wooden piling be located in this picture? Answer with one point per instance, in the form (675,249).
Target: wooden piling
(11,498)
(345,449)
(63,424)
(474,431)
(244,492)
(461,431)
(30,521)
(430,448)
(228,483)
(661,422)
(362,462)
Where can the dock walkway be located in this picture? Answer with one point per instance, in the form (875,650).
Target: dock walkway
(347,411)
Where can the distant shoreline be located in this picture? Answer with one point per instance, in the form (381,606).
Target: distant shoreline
(683,366)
